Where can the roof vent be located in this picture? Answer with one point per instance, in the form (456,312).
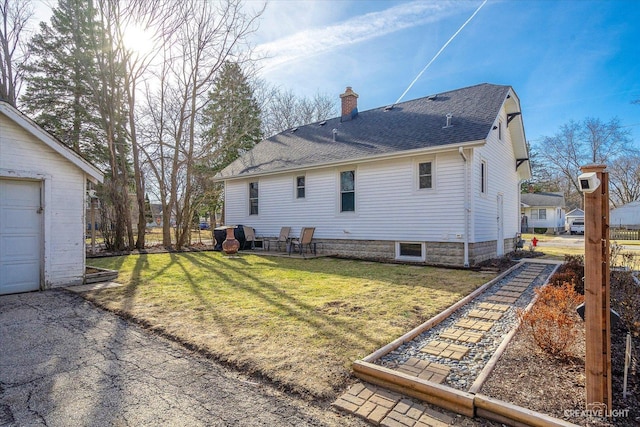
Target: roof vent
(335,133)
(432,97)
(388,108)
(293,130)
(449,117)
(322,123)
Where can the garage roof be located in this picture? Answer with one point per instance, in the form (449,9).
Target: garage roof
(93,173)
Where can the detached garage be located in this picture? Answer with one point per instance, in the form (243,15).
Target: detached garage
(42,207)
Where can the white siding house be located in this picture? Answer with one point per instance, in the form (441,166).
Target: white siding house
(626,216)
(42,207)
(572,216)
(543,211)
(405,183)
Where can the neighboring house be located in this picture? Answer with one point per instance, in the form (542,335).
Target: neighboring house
(433,180)
(626,216)
(572,216)
(156,214)
(42,209)
(542,210)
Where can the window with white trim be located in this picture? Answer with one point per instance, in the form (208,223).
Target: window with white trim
(425,175)
(538,214)
(348,191)
(410,251)
(300,187)
(253,198)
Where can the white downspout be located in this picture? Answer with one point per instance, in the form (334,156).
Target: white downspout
(467,208)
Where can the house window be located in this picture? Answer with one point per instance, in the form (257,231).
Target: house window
(253,198)
(538,214)
(348,191)
(410,251)
(425,175)
(300,187)
(483,177)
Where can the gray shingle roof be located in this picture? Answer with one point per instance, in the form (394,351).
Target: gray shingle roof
(543,199)
(409,125)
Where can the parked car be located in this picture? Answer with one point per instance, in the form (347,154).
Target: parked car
(577,227)
(204,226)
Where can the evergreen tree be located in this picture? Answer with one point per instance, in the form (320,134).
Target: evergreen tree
(61,77)
(231,118)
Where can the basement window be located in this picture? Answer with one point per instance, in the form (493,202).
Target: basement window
(410,251)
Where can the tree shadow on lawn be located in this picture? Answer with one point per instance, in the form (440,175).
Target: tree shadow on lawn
(417,275)
(326,325)
(337,334)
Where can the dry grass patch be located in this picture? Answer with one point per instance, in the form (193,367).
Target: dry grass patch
(300,323)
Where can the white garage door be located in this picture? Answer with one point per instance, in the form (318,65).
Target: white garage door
(20,236)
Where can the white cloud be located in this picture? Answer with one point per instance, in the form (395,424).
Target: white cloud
(316,41)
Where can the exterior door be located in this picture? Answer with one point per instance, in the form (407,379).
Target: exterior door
(20,236)
(500,237)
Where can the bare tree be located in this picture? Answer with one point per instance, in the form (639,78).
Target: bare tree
(15,15)
(577,144)
(210,34)
(154,15)
(624,175)
(282,109)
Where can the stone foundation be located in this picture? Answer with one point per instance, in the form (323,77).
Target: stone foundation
(438,253)
(361,249)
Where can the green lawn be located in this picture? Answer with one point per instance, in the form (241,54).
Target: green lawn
(300,323)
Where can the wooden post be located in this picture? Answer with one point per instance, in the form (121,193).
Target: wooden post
(596,295)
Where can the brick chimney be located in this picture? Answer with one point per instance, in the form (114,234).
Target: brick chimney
(349,104)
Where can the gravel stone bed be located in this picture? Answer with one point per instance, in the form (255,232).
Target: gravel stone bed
(464,372)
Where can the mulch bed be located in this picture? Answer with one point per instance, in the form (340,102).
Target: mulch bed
(530,378)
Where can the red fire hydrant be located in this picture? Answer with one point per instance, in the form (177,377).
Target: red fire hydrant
(534,241)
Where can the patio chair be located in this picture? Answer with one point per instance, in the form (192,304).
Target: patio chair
(306,238)
(282,238)
(250,237)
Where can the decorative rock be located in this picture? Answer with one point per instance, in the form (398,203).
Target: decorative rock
(464,371)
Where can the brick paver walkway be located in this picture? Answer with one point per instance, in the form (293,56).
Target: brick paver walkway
(445,349)
(385,408)
(462,335)
(485,314)
(428,371)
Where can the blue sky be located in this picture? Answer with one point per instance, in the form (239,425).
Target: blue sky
(566,59)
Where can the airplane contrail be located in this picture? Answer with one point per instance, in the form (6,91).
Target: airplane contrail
(439,52)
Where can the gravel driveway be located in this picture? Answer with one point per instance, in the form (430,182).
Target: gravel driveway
(64,362)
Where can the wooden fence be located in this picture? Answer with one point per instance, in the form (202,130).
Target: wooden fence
(623,234)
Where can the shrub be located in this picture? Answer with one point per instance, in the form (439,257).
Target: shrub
(624,260)
(572,271)
(538,230)
(552,321)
